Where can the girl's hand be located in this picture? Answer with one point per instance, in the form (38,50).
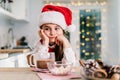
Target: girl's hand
(44,38)
(61,39)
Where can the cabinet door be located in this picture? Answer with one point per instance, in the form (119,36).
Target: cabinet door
(21,60)
(8,62)
(19,9)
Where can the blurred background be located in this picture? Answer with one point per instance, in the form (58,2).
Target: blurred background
(97,26)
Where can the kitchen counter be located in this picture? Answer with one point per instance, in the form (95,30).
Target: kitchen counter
(17,74)
(28,74)
(14,60)
(14,50)
(20,74)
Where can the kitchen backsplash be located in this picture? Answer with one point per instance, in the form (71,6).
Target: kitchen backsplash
(4,26)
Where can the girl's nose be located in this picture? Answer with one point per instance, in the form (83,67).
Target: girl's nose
(52,32)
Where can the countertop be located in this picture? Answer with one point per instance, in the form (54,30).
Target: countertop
(14,50)
(24,74)
(18,74)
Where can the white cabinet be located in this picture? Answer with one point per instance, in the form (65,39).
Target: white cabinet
(19,11)
(19,60)
(6,14)
(8,62)
(19,8)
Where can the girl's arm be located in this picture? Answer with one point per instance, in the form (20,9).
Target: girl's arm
(41,51)
(45,39)
(69,54)
(41,48)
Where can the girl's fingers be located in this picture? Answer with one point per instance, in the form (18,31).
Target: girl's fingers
(57,42)
(39,32)
(43,34)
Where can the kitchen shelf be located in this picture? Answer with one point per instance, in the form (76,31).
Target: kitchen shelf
(8,15)
(5,13)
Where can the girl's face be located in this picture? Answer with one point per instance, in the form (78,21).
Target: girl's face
(52,31)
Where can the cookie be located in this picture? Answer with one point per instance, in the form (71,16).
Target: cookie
(82,63)
(115,77)
(100,73)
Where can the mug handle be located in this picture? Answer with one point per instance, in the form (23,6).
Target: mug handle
(31,60)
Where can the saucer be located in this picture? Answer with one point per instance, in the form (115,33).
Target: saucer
(40,70)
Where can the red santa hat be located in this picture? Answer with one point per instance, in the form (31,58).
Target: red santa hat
(59,15)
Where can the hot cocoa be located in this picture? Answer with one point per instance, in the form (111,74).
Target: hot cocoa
(43,63)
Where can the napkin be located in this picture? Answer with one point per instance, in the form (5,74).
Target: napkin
(49,76)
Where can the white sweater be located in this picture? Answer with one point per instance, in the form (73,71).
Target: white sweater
(41,51)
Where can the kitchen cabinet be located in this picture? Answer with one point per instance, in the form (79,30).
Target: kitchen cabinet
(6,14)
(19,11)
(8,62)
(15,60)
(19,8)
(21,60)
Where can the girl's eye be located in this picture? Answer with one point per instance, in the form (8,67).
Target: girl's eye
(57,28)
(46,28)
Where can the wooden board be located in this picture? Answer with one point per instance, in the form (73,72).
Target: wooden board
(14,50)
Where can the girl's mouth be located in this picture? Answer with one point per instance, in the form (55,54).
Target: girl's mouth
(52,43)
(52,37)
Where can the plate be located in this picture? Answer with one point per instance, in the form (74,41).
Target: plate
(93,78)
(40,70)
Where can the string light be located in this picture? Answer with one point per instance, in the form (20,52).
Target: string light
(87,39)
(92,53)
(92,39)
(83,36)
(83,30)
(87,33)
(77,3)
(83,51)
(82,44)
(83,23)
(100,38)
(98,45)
(79,32)
(88,17)
(88,3)
(88,10)
(88,25)
(97,23)
(87,53)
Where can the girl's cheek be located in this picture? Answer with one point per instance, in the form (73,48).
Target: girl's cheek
(46,33)
(59,33)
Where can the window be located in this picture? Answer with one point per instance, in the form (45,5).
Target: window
(90,34)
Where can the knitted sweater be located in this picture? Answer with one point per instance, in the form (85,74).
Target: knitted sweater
(42,51)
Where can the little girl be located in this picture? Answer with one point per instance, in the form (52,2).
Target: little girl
(54,20)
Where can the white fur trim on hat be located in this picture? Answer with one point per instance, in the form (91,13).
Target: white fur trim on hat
(52,17)
(71,28)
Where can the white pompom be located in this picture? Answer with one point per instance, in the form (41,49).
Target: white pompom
(71,28)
